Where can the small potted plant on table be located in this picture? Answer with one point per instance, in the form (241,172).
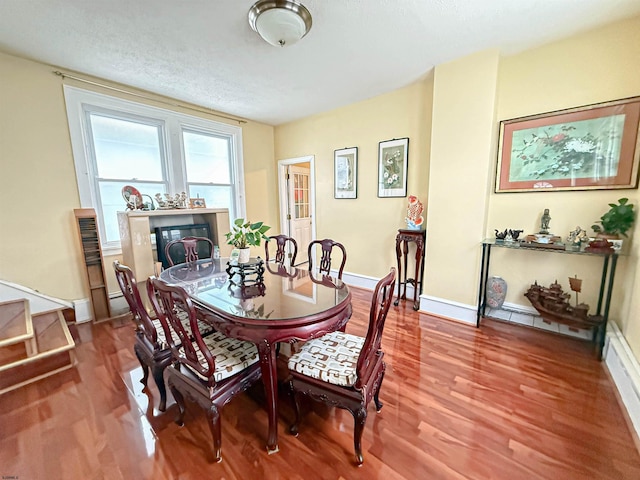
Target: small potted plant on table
(614,223)
(244,234)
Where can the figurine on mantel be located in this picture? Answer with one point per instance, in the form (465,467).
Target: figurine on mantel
(544,222)
(179,200)
(414,213)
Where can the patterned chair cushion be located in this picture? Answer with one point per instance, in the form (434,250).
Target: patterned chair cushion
(204,327)
(331,358)
(162,339)
(231,355)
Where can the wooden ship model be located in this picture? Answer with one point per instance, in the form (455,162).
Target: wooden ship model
(553,305)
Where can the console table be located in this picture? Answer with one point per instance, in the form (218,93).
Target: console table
(610,260)
(403,239)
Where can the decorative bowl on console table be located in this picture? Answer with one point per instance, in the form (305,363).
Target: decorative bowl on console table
(540,240)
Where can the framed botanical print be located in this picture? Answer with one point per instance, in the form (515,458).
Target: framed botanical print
(345,173)
(393,157)
(584,148)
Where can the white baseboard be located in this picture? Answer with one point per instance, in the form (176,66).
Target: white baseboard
(83,310)
(366,282)
(433,305)
(449,309)
(514,307)
(625,371)
(357,280)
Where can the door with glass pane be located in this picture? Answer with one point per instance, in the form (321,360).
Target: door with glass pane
(300,209)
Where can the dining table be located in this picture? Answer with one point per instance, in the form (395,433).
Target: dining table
(264,303)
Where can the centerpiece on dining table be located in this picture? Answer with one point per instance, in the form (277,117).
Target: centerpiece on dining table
(243,235)
(243,269)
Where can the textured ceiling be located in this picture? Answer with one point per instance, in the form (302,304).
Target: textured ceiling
(204,52)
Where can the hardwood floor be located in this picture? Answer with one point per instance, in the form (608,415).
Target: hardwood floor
(499,402)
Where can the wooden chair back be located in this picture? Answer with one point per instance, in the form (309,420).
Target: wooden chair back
(129,288)
(283,245)
(326,247)
(186,249)
(380,303)
(149,347)
(166,301)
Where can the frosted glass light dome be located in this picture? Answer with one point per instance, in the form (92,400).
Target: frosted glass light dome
(280,22)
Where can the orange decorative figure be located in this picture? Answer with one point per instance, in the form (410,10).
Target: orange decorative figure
(414,213)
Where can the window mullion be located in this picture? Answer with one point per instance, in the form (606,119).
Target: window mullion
(85,108)
(177,178)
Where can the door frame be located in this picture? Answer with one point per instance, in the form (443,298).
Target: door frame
(283,192)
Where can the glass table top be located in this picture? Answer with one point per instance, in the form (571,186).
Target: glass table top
(283,292)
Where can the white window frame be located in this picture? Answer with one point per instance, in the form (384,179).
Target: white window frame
(80,103)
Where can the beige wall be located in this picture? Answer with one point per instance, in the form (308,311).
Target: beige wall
(260,174)
(461,160)
(38,194)
(595,67)
(367,225)
(38,245)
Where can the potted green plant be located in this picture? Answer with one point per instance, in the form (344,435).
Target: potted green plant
(617,221)
(244,234)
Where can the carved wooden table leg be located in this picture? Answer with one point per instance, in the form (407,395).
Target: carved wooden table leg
(269,379)
(399,277)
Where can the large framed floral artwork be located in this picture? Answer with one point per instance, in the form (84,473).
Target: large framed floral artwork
(585,148)
(393,158)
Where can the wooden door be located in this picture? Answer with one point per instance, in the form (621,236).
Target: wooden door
(299,215)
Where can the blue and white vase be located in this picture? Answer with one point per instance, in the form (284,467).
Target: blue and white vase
(496,292)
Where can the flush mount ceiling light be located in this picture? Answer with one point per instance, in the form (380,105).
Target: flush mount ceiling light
(280,22)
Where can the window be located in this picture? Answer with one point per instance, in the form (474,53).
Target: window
(208,168)
(117,142)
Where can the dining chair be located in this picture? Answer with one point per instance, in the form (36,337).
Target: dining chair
(207,370)
(326,246)
(151,347)
(345,370)
(188,249)
(286,247)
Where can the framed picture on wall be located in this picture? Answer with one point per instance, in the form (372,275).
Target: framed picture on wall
(585,148)
(345,173)
(393,158)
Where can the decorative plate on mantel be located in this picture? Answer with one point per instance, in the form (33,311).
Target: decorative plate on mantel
(132,196)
